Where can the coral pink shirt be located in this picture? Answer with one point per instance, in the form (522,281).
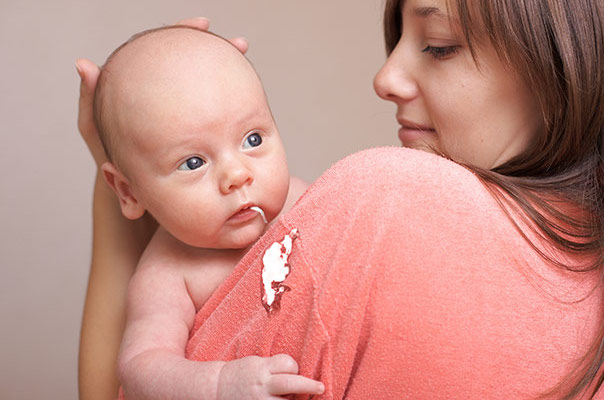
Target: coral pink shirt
(407,281)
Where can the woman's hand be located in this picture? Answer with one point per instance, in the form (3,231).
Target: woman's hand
(89,74)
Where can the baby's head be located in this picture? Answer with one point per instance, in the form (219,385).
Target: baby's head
(190,137)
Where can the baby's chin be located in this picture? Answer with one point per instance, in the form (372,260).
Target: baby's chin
(241,238)
(239,243)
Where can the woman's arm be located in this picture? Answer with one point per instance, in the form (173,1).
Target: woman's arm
(117,246)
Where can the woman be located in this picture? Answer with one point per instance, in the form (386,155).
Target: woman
(495,292)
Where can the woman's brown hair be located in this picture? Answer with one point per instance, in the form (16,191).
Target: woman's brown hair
(557,47)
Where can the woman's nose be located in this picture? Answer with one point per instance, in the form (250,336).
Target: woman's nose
(395,81)
(235,174)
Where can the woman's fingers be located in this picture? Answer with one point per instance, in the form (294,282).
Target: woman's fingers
(89,74)
(204,24)
(293,384)
(241,43)
(198,22)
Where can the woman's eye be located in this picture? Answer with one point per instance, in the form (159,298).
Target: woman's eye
(253,140)
(191,164)
(439,53)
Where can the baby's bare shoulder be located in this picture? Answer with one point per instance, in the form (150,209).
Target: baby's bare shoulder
(297,187)
(202,270)
(161,252)
(165,251)
(208,271)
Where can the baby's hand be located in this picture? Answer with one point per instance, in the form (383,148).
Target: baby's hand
(264,378)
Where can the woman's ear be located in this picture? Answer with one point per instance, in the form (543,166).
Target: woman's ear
(130,206)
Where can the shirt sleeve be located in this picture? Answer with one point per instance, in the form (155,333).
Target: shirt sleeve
(407,281)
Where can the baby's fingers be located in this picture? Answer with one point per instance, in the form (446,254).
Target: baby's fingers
(285,378)
(293,384)
(282,364)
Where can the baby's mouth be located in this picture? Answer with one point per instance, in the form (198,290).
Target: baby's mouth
(247,213)
(261,212)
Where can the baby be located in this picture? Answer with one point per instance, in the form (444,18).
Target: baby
(191,139)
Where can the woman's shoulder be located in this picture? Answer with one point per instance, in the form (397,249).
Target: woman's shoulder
(392,165)
(418,246)
(405,179)
(426,207)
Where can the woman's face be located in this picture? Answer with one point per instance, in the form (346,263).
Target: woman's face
(478,114)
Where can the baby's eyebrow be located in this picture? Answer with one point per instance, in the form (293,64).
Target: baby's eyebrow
(253,114)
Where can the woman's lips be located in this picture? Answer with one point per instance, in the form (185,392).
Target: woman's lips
(409,134)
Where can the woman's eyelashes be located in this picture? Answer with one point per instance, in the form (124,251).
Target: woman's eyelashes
(438,53)
(252,140)
(191,163)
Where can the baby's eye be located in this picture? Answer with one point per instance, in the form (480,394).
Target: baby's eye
(253,140)
(191,164)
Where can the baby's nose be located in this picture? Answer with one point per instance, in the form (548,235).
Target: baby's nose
(235,175)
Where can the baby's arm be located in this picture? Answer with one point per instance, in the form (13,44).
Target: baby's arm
(152,364)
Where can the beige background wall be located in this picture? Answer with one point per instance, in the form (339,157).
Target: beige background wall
(316,58)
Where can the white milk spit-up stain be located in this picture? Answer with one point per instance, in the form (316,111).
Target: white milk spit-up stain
(261,212)
(275,269)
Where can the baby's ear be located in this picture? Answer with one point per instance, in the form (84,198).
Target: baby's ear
(131,208)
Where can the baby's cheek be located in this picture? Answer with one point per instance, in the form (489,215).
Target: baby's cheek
(280,187)
(195,228)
